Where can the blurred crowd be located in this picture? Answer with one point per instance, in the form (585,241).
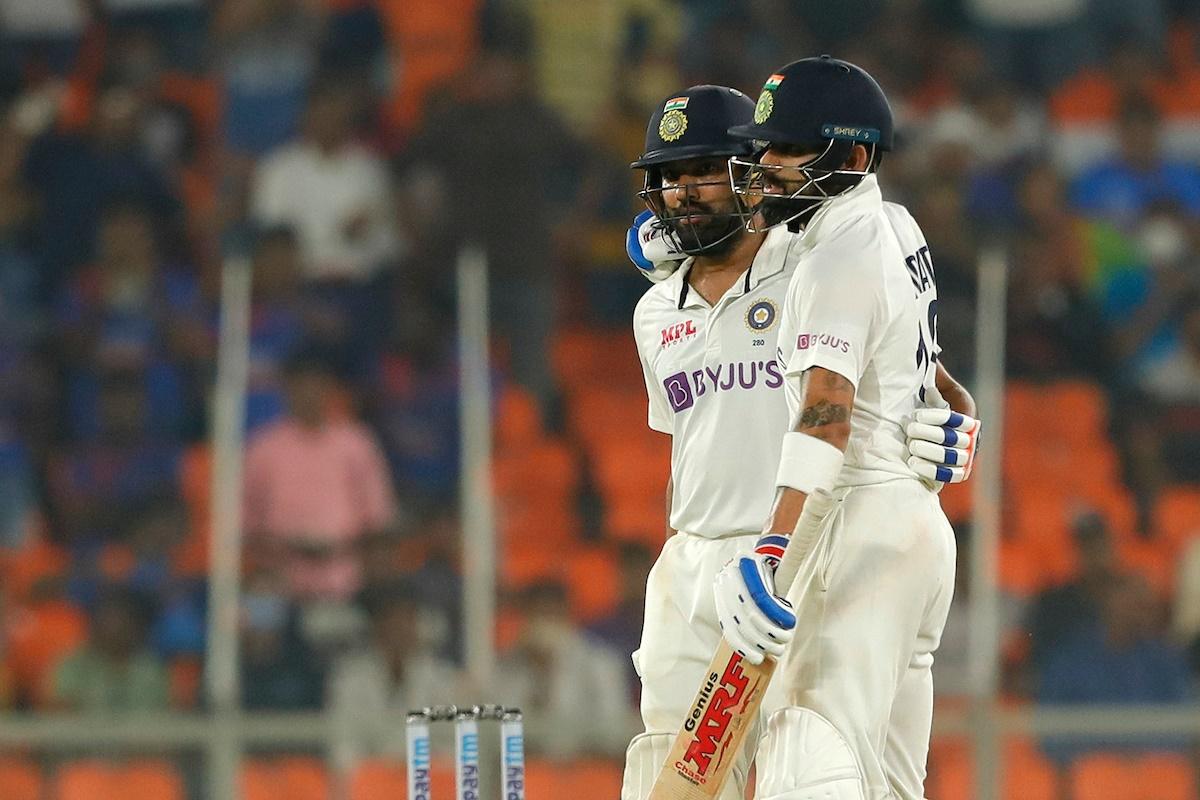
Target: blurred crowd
(348,149)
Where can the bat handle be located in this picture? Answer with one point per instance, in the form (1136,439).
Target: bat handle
(816,508)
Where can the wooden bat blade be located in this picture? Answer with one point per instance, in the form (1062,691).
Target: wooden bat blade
(715,728)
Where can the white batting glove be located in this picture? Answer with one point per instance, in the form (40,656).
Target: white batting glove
(941,444)
(754,620)
(651,248)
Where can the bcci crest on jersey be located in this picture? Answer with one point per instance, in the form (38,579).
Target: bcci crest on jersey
(761,316)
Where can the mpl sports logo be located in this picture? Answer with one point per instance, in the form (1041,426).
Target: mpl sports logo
(711,720)
(684,389)
(679,332)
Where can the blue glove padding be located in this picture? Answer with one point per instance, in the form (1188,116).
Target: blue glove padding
(942,444)
(754,620)
(634,247)
(651,248)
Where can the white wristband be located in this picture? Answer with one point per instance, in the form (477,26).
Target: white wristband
(808,463)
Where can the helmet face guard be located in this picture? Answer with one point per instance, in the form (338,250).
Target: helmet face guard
(784,194)
(695,228)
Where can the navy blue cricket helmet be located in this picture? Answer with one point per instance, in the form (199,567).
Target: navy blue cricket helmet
(696,124)
(823,105)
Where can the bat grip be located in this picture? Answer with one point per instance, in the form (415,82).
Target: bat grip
(816,507)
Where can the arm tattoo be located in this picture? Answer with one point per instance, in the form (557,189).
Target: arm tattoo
(821,413)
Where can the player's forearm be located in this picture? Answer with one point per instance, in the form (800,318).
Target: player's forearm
(828,399)
(785,513)
(955,393)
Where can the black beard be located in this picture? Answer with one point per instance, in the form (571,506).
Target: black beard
(715,235)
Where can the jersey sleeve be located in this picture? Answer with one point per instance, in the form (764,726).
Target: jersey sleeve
(659,416)
(836,311)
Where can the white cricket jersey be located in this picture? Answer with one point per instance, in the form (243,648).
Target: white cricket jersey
(715,387)
(863,303)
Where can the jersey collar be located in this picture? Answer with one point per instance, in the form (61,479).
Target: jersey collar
(768,261)
(865,198)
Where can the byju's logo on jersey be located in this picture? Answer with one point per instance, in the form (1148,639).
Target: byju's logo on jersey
(679,391)
(761,315)
(807,340)
(679,332)
(683,389)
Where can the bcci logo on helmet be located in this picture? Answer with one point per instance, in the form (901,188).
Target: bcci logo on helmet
(673,125)
(764,107)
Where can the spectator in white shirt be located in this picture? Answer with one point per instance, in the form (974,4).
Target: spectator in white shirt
(570,687)
(333,191)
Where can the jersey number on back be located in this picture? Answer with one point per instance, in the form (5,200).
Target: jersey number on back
(927,353)
(920,272)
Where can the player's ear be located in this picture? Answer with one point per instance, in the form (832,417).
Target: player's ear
(859,158)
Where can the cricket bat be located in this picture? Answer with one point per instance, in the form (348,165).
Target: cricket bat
(728,701)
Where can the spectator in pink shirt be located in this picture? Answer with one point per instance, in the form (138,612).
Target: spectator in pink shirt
(316,482)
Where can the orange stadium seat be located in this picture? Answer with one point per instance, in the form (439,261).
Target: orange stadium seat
(20,780)
(1020,572)
(956,501)
(552,521)
(378,779)
(536,469)
(37,561)
(522,563)
(1167,776)
(296,778)
(542,778)
(304,778)
(1102,776)
(593,582)
(39,636)
(599,417)
(1151,561)
(582,358)
(1027,775)
(1080,410)
(84,780)
(638,519)
(1177,515)
(148,780)
(518,418)
(1025,412)
(590,778)
(185,673)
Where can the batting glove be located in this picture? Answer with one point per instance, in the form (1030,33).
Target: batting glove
(754,620)
(651,248)
(941,444)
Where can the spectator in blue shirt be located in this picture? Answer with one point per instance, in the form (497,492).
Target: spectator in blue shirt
(1121,658)
(1122,188)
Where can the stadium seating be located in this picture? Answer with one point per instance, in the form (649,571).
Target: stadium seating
(101,780)
(20,780)
(1027,774)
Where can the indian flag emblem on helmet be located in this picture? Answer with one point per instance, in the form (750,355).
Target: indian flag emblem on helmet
(773,82)
(672,125)
(676,102)
(764,107)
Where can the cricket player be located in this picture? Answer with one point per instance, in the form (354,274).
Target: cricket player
(707,335)
(858,349)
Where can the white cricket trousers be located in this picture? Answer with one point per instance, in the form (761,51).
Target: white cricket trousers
(871,602)
(681,633)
